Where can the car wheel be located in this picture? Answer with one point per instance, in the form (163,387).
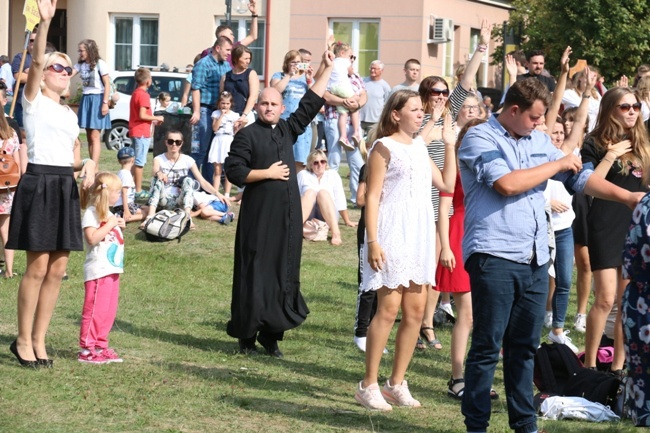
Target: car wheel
(118,136)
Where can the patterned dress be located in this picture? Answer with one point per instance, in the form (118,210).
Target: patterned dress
(636,314)
(6,199)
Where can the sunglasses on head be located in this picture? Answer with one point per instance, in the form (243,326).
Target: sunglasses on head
(626,107)
(319,162)
(172,142)
(57,67)
(438,92)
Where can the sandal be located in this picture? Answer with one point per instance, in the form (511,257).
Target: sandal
(420,345)
(434,343)
(456,395)
(144,222)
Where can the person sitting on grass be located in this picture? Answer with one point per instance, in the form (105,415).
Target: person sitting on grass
(171,187)
(131,211)
(210,207)
(322,195)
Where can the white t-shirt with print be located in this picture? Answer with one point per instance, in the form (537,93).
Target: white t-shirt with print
(174,171)
(107,257)
(91,81)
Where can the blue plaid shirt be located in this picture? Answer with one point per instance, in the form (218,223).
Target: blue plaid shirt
(206,76)
(513,228)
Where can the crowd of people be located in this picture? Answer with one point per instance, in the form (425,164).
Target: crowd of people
(505,198)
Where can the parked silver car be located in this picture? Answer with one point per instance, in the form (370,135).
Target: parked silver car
(118,136)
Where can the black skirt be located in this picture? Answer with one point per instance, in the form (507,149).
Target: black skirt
(46,215)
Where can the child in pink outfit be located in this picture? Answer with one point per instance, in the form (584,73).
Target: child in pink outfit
(102,269)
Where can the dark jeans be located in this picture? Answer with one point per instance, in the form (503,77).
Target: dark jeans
(508,301)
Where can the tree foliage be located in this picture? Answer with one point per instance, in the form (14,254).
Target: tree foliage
(613,35)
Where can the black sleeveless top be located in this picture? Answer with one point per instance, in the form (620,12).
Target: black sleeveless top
(237,84)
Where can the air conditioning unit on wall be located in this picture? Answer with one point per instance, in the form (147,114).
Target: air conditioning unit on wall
(441,30)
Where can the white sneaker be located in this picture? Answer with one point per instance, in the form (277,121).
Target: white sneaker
(446,307)
(361,344)
(563,339)
(371,397)
(580,323)
(548,319)
(399,395)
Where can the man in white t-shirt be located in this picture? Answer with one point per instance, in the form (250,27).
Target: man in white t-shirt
(378,91)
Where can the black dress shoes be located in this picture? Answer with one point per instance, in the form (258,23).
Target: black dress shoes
(270,346)
(23,362)
(247,346)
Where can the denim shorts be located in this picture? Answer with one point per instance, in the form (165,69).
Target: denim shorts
(141,147)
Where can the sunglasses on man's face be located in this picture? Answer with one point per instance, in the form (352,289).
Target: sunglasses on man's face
(57,67)
(626,107)
(172,142)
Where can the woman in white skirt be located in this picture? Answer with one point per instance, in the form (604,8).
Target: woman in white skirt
(399,249)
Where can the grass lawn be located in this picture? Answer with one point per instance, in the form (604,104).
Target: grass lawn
(181,372)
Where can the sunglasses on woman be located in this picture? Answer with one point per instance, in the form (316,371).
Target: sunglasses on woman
(322,161)
(626,107)
(57,67)
(438,92)
(173,142)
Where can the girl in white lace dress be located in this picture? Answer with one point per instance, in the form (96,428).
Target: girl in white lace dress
(399,248)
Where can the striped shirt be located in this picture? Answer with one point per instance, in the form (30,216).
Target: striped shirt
(436,148)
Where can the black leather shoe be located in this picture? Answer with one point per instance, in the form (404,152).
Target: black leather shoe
(271,347)
(23,362)
(247,346)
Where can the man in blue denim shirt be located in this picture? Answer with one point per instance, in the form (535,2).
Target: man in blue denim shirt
(504,166)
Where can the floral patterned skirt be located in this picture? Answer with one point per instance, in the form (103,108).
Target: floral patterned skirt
(636,327)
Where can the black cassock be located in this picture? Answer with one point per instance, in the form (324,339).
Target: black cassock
(266,278)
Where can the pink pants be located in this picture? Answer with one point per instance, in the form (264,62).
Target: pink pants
(99,311)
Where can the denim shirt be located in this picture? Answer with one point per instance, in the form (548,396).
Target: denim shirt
(510,227)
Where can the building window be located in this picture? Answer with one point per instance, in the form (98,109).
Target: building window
(241,27)
(136,41)
(363,37)
(448,61)
(482,74)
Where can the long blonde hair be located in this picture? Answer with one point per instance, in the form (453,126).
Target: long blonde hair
(608,131)
(105,182)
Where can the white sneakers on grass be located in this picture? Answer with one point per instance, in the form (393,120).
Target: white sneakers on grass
(374,399)
(563,339)
(580,323)
(361,344)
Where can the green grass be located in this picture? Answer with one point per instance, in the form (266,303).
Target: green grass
(182,373)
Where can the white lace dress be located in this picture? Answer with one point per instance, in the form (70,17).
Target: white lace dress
(405,228)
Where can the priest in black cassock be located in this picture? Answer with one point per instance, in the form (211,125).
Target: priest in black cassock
(266,298)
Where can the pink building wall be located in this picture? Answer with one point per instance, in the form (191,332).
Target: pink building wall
(403,29)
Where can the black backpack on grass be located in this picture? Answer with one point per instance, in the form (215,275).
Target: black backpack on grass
(558,371)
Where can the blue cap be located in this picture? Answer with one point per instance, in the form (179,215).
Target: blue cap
(125,153)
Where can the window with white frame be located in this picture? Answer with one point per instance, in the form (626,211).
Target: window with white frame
(448,62)
(482,74)
(136,41)
(241,27)
(363,37)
